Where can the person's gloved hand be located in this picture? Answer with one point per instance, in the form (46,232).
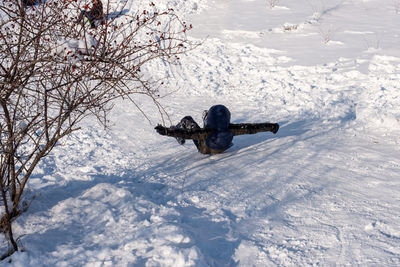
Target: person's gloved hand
(275,128)
(161,129)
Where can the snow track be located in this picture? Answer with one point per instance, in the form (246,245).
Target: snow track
(322,191)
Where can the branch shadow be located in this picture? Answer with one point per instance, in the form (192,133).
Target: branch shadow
(163,183)
(116,14)
(282,188)
(74,236)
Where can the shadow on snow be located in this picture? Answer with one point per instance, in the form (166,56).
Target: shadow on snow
(166,180)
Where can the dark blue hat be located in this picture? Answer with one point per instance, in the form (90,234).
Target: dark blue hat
(218,117)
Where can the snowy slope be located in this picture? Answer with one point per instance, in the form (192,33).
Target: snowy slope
(323,191)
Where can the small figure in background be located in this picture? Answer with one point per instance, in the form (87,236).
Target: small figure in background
(94,14)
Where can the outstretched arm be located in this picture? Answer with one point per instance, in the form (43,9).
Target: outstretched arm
(252,128)
(195,134)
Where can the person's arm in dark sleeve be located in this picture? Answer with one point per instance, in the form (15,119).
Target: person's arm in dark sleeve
(253,128)
(195,134)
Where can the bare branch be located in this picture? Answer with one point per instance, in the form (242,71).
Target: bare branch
(54,72)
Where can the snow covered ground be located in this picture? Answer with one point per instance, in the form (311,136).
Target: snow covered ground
(323,191)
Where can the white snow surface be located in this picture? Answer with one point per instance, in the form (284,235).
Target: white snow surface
(323,191)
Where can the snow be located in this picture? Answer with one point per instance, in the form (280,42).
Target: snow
(322,191)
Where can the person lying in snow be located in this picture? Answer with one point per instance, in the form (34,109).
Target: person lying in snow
(95,13)
(218,132)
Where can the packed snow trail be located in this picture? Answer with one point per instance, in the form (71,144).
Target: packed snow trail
(322,191)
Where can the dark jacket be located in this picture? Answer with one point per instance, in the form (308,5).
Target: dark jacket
(96,12)
(218,132)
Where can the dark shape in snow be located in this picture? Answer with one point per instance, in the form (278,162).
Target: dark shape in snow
(218,132)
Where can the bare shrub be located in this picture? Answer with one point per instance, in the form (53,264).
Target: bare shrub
(322,9)
(326,33)
(54,72)
(396,5)
(373,41)
(290,27)
(272,3)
